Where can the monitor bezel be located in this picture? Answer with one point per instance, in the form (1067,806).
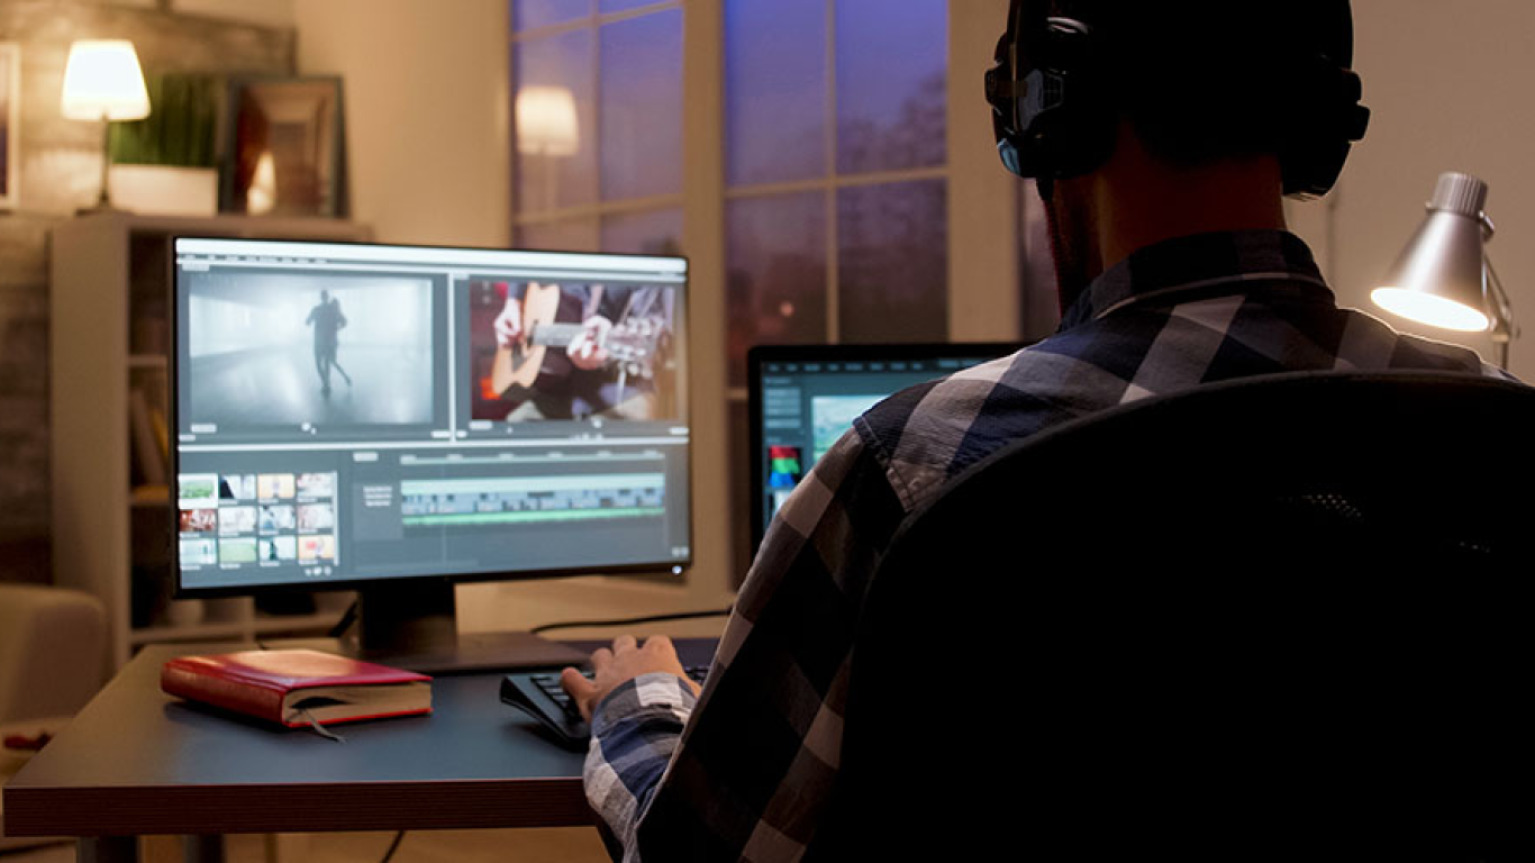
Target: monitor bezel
(758,355)
(677,568)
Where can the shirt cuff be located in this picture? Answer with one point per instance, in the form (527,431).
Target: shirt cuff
(649,694)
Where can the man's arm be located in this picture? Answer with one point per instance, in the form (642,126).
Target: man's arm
(639,726)
(748,770)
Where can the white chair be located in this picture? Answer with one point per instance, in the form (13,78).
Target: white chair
(52,661)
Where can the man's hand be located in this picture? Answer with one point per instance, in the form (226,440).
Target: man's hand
(585,350)
(626,661)
(509,324)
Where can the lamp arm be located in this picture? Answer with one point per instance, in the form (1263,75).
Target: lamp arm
(1504,330)
(1504,327)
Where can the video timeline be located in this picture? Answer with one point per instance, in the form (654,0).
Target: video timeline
(541,500)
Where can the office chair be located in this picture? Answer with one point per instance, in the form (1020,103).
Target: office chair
(1281,618)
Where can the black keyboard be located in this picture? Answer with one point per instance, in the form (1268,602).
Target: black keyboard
(540,695)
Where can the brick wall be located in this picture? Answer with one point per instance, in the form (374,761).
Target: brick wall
(60,169)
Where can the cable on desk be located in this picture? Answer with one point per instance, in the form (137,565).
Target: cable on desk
(658,618)
(393,846)
(346,621)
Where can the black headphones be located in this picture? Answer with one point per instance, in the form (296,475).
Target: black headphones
(1055,119)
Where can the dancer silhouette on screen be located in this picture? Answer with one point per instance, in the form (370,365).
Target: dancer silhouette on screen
(327,320)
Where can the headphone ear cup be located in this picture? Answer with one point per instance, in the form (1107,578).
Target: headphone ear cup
(1081,134)
(1329,119)
(1070,126)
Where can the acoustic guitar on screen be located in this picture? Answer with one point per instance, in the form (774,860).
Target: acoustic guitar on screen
(632,345)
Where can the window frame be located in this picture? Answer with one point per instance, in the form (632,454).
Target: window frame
(594,212)
(984,285)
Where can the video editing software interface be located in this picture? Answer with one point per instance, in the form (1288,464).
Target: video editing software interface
(805,399)
(350,413)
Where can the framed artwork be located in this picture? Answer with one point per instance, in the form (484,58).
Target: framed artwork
(10,97)
(284,151)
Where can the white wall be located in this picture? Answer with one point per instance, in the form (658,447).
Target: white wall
(983,197)
(1448,87)
(268,13)
(427,113)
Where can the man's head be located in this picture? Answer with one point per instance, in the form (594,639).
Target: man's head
(325,296)
(1182,90)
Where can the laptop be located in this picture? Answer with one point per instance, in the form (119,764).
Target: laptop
(802,398)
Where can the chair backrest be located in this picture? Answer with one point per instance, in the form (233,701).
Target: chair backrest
(52,651)
(1231,622)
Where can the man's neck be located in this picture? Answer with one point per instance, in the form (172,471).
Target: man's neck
(1138,207)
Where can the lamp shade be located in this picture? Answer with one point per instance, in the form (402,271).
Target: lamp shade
(1440,278)
(103,81)
(546,122)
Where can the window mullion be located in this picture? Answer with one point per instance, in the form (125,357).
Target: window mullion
(597,113)
(602,208)
(841,181)
(833,291)
(593,17)
(703,235)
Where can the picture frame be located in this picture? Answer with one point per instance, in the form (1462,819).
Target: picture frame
(10,117)
(284,152)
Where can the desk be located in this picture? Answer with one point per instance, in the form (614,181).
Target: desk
(137,761)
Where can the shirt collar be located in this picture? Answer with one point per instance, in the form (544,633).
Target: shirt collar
(1192,263)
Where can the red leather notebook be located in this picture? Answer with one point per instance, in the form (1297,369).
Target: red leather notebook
(298,687)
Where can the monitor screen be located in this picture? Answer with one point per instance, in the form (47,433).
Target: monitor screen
(803,398)
(351,413)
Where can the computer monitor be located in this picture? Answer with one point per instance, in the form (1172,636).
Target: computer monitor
(393,419)
(802,398)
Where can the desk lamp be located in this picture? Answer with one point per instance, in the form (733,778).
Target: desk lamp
(103,82)
(1444,278)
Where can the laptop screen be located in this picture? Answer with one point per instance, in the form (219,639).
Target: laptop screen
(804,397)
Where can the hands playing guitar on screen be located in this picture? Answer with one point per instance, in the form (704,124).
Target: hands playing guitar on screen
(585,349)
(526,328)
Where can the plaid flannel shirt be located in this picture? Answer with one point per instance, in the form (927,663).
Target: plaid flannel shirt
(747,771)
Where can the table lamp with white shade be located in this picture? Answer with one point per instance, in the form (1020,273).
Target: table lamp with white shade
(104,83)
(548,127)
(1444,277)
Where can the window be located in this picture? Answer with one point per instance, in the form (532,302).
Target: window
(842,183)
(836,171)
(597,121)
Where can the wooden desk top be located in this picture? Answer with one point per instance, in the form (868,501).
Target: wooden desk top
(138,761)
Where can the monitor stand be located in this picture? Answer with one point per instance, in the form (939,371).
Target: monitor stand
(413,625)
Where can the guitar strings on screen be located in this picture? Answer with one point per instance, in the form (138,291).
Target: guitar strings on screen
(572,351)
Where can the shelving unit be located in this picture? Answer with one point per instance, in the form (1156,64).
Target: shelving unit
(110,298)
(244,626)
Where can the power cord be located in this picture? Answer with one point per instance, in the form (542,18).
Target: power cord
(629,621)
(347,619)
(393,846)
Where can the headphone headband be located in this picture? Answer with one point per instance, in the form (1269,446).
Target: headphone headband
(1055,117)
